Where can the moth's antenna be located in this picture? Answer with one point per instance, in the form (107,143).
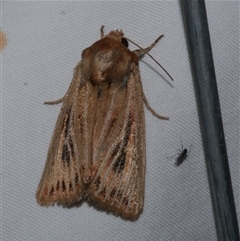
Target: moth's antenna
(146,52)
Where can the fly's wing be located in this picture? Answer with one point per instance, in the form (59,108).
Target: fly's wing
(119,148)
(67,165)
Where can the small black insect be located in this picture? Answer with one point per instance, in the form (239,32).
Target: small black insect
(182,155)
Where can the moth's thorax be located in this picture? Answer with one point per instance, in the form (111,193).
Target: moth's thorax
(107,60)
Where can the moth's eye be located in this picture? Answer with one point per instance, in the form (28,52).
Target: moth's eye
(124,42)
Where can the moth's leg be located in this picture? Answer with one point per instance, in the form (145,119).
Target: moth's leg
(76,81)
(181,143)
(102,31)
(141,51)
(153,111)
(54,102)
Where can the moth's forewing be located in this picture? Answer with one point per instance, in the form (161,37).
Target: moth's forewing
(119,149)
(61,180)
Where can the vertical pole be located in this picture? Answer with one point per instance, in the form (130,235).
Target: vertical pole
(200,52)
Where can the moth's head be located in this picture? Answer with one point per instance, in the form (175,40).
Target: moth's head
(119,36)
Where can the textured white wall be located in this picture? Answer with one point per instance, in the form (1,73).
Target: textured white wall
(45,40)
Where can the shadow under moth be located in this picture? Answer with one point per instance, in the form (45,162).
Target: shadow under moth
(98,147)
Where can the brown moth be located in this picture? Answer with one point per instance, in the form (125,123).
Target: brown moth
(98,144)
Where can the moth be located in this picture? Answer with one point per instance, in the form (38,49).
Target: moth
(98,147)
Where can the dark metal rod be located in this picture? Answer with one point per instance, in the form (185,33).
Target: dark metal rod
(200,52)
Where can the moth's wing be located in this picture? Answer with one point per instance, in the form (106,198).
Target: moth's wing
(62,178)
(119,148)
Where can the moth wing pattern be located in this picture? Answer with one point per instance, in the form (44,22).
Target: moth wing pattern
(119,149)
(98,144)
(62,179)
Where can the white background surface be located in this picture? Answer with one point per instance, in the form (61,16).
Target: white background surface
(45,41)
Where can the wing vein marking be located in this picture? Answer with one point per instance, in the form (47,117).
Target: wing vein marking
(77,165)
(58,176)
(120,186)
(105,126)
(128,190)
(108,152)
(116,174)
(69,161)
(85,132)
(131,193)
(103,164)
(128,181)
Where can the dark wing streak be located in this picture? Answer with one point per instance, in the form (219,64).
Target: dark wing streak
(49,179)
(73,153)
(130,184)
(118,154)
(63,177)
(105,125)
(58,154)
(85,108)
(104,164)
(132,187)
(127,185)
(77,164)
(131,180)
(66,137)
(50,182)
(110,150)
(119,187)
(108,155)
(73,173)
